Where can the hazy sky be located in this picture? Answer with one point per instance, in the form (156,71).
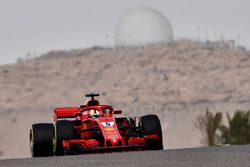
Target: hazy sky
(38,26)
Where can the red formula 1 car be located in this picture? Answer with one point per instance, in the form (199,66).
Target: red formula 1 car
(93,128)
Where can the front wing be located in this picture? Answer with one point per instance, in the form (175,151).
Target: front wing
(92,145)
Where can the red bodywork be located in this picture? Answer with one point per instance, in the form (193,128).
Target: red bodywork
(104,133)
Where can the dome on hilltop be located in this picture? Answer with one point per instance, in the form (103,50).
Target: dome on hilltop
(141,27)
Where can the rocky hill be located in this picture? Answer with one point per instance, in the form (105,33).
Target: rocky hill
(177,81)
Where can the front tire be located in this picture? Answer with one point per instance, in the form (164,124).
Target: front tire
(41,140)
(151,126)
(64,130)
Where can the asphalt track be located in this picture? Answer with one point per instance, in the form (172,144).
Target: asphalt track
(228,156)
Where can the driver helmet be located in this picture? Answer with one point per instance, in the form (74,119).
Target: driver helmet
(94,113)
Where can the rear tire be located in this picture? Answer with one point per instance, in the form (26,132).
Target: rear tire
(151,126)
(64,130)
(41,140)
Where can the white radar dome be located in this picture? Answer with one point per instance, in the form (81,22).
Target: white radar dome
(141,27)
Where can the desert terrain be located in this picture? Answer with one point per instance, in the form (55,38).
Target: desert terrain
(176,81)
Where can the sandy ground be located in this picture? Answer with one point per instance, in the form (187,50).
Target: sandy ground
(177,82)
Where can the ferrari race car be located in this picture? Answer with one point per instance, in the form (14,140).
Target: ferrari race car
(94,128)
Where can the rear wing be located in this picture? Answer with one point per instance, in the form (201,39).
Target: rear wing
(65,112)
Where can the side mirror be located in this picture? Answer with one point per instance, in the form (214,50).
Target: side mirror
(117,112)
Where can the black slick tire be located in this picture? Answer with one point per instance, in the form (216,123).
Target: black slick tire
(64,130)
(41,140)
(151,126)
